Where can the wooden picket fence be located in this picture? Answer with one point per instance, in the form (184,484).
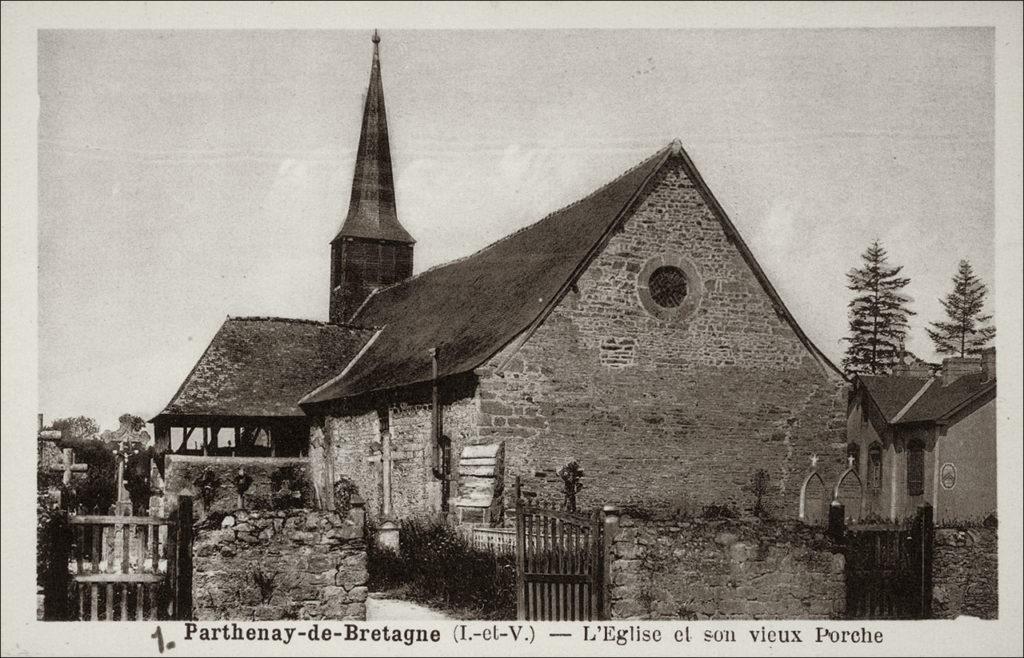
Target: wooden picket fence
(500,541)
(559,564)
(121,568)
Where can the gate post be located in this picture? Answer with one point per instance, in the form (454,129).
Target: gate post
(182,585)
(837,522)
(610,513)
(520,555)
(56,606)
(925,537)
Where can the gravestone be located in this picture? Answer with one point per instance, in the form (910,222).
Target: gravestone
(480,484)
(814,497)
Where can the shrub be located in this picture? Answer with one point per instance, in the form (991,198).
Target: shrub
(437,564)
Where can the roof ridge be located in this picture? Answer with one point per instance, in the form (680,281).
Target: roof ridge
(511,235)
(319,323)
(273,318)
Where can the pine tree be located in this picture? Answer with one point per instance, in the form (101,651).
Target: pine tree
(966,332)
(878,314)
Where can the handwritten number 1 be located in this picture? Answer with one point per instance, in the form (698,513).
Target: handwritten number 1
(159,637)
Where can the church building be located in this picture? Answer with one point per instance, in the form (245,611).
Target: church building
(632,331)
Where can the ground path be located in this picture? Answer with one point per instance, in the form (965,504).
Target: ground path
(379,608)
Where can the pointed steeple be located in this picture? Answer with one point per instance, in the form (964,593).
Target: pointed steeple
(371,211)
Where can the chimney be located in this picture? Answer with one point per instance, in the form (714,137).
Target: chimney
(988,363)
(911,366)
(955,367)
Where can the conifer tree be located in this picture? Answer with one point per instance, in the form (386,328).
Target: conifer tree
(967,331)
(878,314)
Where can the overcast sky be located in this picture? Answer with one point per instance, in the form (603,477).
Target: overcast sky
(187,176)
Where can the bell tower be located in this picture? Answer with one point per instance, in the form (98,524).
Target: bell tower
(372,249)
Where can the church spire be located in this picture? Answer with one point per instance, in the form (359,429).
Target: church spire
(372,249)
(371,212)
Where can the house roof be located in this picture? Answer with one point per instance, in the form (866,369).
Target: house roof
(891,394)
(472,308)
(939,401)
(934,402)
(262,366)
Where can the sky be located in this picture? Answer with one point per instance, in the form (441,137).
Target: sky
(185,176)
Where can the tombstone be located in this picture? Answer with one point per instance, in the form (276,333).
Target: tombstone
(849,492)
(480,484)
(814,497)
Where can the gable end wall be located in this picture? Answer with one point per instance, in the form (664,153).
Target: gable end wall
(679,411)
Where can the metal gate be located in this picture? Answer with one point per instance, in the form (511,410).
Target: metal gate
(120,568)
(888,570)
(559,564)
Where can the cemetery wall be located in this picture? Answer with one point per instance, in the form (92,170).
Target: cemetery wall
(965,573)
(184,474)
(680,568)
(284,564)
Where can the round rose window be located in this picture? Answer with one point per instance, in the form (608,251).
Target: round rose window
(668,286)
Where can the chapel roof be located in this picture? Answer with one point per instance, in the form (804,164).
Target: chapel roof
(472,308)
(261,366)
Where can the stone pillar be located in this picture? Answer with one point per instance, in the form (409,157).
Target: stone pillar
(610,516)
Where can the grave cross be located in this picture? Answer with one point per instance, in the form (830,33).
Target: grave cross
(387,457)
(68,466)
(124,450)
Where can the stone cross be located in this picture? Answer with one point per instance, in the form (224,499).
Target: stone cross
(387,457)
(123,506)
(69,467)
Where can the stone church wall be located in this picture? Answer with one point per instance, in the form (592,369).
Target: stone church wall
(655,408)
(271,565)
(349,440)
(724,569)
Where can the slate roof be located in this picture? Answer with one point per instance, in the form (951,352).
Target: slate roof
(472,308)
(891,394)
(940,401)
(262,366)
(372,212)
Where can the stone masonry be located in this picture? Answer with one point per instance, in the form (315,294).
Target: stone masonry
(727,569)
(657,408)
(965,573)
(341,446)
(270,565)
(681,410)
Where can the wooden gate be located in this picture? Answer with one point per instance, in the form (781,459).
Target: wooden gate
(559,564)
(121,568)
(888,570)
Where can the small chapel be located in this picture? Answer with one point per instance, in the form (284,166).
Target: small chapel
(632,332)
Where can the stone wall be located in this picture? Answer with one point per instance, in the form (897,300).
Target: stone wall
(342,444)
(314,562)
(726,569)
(183,473)
(659,408)
(965,573)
